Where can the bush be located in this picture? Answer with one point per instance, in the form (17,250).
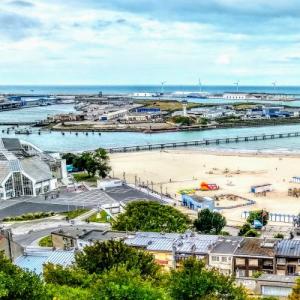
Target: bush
(187,121)
(29,216)
(278,236)
(251,233)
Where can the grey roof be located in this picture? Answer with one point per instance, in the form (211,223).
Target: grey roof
(278,278)
(11,144)
(290,248)
(99,235)
(36,169)
(257,247)
(183,243)
(227,245)
(71,232)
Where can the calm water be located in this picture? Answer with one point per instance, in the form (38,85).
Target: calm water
(35,113)
(55,141)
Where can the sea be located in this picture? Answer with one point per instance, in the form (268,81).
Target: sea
(56,142)
(127,89)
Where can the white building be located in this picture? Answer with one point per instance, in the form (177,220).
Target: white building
(27,171)
(236,96)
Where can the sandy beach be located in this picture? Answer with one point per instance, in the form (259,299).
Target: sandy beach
(235,173)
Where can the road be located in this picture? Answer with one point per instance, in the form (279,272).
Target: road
(29,238)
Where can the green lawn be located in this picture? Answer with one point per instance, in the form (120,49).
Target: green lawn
(99,217)
(83,176)
(75,213)
(46,241)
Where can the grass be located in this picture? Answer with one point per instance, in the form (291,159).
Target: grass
(82,176)
(29,216)
(75,213)
(95,217)
(46,241)
(168,105)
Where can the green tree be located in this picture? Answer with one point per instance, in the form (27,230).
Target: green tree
(93,163)
(122,284)
(64,292)
(18,284)
(295,295)
(194,281)
(260,215)
(151,216)
(251,233)
(209,222)
(108,254)
(67,276)
(101,160)
(70,158)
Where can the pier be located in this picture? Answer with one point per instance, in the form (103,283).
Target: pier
(228,140)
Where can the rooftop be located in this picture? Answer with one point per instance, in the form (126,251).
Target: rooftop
(188,242)
(227,245)
(34,260)
(257,247)
(290,248)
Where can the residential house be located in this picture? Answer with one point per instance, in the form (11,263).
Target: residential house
(221,255)
(255,255)
(288,257)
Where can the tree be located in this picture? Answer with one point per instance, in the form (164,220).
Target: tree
(64,292)
(67,276)
(93,162)
(120,283)
(260,215)
(151,216)
(70,158)
(194,281)
(295,295)
(209,222)
(101,160)
(18,284)
(105,255)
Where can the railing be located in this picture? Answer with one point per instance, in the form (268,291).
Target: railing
(275,217)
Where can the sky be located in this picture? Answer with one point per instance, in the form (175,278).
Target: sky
(117,42)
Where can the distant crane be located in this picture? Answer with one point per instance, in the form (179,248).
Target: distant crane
(162,87)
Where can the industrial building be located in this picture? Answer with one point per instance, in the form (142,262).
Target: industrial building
(26,171)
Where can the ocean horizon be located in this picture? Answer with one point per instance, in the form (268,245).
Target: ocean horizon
(128,89)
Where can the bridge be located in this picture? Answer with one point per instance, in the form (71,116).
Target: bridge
(217,141)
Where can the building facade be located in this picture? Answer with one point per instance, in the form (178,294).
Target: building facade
(26,171)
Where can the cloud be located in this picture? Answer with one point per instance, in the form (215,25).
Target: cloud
(21,3)
(16,26)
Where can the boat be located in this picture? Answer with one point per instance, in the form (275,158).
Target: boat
(23,131)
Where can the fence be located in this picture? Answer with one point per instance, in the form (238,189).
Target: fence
(275,217)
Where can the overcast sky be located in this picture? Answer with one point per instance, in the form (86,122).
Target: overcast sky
(149,41)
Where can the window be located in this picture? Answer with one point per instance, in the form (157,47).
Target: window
(240,261)
(224,259)
(253,262)
(215,258)
(240,273)
(281,261)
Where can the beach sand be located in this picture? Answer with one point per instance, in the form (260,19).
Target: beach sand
(235,173)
